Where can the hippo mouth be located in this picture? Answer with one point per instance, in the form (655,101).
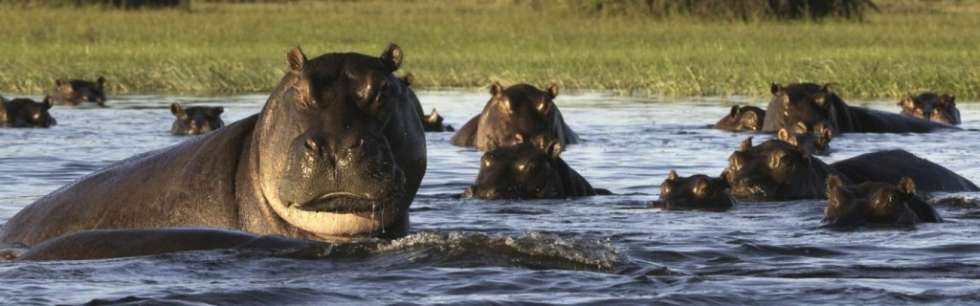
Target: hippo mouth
(340,202)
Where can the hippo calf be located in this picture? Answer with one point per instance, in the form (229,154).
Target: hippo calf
(517,114)
(694,192)
(811,104)
(195,120)
(813,140)
(875,203)
(525,171)
(23,112)
(742,118)
(933,107)
(76,92)
(776,170)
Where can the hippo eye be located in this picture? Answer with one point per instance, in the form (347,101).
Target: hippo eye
(664,189)
(36,116)
(486,163)
(734,163)
(521,167)
(776,159)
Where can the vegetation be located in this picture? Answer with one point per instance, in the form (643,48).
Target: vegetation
(220,48)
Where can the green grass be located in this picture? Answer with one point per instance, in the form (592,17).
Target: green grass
(240,48)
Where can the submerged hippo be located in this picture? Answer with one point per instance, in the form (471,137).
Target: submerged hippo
(520,113)
(694,192)
(23,112)
(76,92)
(933,107)
(524,171)
(813,140)
(742,118)
(876,203)
(776,170)
(431,122)
(195,120)
(811,103)
(336,152)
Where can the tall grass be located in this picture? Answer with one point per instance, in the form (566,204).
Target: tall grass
(240,48)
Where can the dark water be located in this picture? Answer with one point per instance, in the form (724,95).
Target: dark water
(599,250)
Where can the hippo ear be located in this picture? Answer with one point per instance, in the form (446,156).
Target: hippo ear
(432,117)
(554,149)
(296,59)
(672,175)
(46,102)
(409,79)
(785,136)
(392,57)
(746,144)
(734,111)
(177,110)
(552,90)
(775,88)
(496,89)
(906,185)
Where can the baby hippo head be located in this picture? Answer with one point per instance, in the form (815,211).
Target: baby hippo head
(28,113)
(433,122)
(811,139)
(196,119)
(742,118)
(876,203)
(522,171)
(694,192)
(933,107)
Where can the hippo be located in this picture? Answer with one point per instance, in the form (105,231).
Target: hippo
(698,191)
(875,203)
(24,112)
(336,153)
(195,120)
(775,170)
(933,107)
(520,113)
(742,118)
(76,92)
(811,103)
(813,140)
(525,171)
(431,122)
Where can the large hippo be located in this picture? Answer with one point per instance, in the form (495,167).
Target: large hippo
(776,170)
(24,112)
(520,113)
(931,106)
(525,171)
(195,120)
(811,103)
(76,92)
(741,119)
(336,152)
(876,203)
(698,191)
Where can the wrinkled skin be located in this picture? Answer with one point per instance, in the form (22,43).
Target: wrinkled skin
(694,192)
(933,107)
(432,122)
(524,171)
(517,114)
(195,120)
(742,118)
(873,203)
(76,92)
(775,171)
(23,113)
(337,152)
(811,140)
(811,104)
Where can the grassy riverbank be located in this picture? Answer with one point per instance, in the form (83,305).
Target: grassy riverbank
(240,48)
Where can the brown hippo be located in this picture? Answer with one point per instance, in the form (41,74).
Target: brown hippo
(336,152)
(876,203)
(813,140)
(694,192)
(76,92)
(520,113)
(24,112)
(742,118)
(431,122)
(933,107)
(776,170)
(525,171)
(195,120)
(811,103)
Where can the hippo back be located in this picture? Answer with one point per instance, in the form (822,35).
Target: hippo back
(865,120)
(890,166)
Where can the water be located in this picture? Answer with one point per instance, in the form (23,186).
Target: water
(598,250)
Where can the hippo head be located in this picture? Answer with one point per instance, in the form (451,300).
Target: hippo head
(520,113)
(694,192)
(28,113)
(75,92)
(933,107)
(742,118)
(871,202)
(814,140)
(433,120)
(522,171)
(340,147)
(196,119)
(805,103)
(774,170)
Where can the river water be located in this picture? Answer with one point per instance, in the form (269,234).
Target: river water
(593,250)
